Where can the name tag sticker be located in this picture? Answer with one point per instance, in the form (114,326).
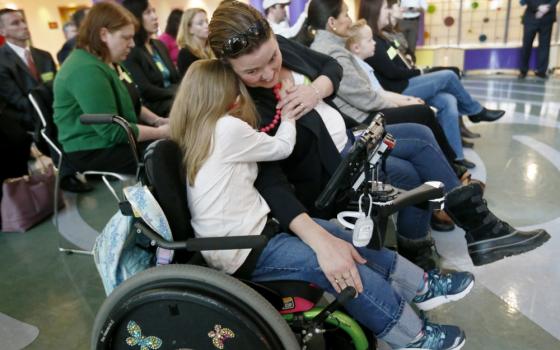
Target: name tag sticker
(48,76)
(126,77)
(396,43)
(392,52)
(160,66)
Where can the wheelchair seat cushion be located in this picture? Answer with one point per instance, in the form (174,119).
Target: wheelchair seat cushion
(296,296)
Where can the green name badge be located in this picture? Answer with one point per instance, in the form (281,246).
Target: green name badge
(392,52)
(48,76)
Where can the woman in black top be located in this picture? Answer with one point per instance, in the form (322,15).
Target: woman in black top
(192,39)
(149,62)
(241,38)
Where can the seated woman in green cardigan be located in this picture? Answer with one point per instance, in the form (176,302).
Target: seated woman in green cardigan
(91,81)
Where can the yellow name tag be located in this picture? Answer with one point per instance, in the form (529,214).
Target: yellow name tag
(126,77)
(160,66)
(392,52)
(48,76)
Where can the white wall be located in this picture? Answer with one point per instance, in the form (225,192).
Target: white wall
(38,14)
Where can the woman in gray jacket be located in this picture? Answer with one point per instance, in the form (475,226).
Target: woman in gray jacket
(356,97)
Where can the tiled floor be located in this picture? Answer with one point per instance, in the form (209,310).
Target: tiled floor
(515,305)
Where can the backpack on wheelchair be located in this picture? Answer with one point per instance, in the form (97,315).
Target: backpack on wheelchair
(186,305)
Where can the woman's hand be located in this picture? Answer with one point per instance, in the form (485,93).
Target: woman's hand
(338,259)
(299,100)
(410,100)
(163,130)
(160,121)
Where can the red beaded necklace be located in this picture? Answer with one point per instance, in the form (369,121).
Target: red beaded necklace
(276,119)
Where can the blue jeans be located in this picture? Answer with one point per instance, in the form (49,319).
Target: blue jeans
(444,91)
(416,159)
(390,282)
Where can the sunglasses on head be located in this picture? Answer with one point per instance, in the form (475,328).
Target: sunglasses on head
(239,42)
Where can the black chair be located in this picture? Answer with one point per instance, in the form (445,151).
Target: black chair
(65,221)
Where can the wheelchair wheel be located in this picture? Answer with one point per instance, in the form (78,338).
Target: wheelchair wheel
(188,307)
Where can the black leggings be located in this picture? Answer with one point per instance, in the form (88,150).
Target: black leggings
(419,114)
(118,159)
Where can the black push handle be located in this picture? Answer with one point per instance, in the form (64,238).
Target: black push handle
(347,294)
(89,119)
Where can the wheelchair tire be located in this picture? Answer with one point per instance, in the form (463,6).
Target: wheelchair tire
(159,302)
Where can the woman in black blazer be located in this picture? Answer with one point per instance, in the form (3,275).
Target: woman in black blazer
(149,63)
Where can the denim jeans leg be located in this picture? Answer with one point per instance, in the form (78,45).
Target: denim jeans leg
(380,308)
(405,277)
(412,222)
(416,144)
(428,85)
(448,118)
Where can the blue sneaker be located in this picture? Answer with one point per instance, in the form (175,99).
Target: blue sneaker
(443,288)
(439,337)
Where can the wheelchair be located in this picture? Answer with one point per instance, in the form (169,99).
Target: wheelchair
(187,305)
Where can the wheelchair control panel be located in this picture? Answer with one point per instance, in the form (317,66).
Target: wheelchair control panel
(359,178)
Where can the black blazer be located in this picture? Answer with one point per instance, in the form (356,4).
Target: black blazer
(149,78)
(531,11)
(16,81)
(392,74)
(184,60)
(291,186)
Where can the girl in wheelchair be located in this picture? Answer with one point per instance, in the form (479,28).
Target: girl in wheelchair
(213,119)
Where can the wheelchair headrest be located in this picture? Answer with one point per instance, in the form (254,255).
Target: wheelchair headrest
(166,177)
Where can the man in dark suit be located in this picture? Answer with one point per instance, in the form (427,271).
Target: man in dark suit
(539,17)
(22,67)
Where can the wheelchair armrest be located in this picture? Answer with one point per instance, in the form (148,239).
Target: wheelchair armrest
(200,244)
(428,191)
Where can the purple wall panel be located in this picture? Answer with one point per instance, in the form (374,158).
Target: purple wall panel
(496,58)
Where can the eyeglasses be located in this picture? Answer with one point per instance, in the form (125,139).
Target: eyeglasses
(241,41)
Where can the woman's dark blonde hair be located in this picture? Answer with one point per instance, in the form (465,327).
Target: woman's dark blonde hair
(233,18)
(107,15)
(186,39)
(209,90)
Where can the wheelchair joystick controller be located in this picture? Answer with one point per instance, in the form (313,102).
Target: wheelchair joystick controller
(315,327)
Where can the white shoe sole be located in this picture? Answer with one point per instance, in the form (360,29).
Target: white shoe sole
(444,299)
(458,347)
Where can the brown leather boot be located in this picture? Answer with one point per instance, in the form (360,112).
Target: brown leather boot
(441,221)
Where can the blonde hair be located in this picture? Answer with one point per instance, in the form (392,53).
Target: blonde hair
(209,90)
(355,33)
(186,39)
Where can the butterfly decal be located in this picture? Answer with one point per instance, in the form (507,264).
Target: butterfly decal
(219,335)
(145,343)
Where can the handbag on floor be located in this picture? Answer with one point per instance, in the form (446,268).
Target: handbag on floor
(28,200)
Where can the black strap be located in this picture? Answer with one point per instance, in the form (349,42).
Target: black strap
(245,271)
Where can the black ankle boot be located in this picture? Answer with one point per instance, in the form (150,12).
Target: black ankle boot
(418,251)
(488,238)
(487,115)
